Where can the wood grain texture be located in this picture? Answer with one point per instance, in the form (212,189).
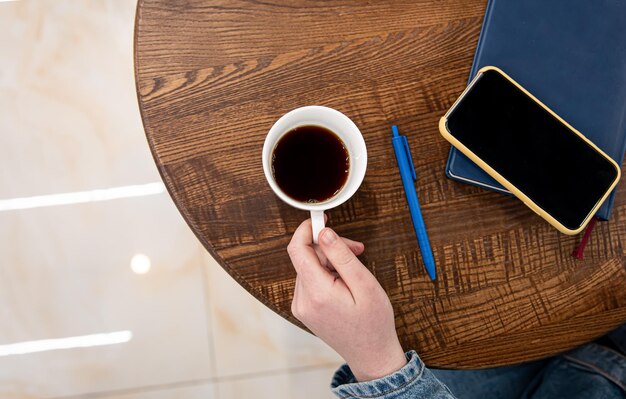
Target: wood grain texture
(213,76)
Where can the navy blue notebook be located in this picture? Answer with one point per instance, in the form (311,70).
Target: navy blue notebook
(571,55)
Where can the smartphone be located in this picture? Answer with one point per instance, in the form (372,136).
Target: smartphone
(530,150)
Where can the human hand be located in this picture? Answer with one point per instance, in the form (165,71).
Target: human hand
(342,303)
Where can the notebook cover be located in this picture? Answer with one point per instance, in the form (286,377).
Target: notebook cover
(571,56)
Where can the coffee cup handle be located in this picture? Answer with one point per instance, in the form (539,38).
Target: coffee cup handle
(317,222)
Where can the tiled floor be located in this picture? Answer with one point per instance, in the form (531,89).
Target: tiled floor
(69,123)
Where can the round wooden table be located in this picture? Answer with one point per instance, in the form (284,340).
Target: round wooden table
(213,76)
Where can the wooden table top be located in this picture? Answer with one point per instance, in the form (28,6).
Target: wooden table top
(212,78)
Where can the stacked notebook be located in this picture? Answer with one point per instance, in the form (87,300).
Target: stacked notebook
(571,55)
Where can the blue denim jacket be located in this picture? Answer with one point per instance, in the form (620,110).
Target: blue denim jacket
(591,371)
(412,381)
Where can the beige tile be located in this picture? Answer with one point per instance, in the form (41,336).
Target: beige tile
(68,110)
(251,338)
(65,272)
(306,384)
(201,391)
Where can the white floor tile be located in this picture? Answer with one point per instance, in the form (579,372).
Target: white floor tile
(201,391)
(310,384)
(65,272)
(68,110)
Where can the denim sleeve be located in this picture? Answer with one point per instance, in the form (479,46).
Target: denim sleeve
(412,381)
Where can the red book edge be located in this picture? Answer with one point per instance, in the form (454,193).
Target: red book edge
(580,249)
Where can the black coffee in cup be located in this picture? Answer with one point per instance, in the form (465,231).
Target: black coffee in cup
(310,164)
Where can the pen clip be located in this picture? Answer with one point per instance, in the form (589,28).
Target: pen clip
(409,157)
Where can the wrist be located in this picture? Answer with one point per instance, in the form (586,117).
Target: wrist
(379,366)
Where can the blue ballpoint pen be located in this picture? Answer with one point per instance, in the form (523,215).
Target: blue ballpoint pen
(407,173)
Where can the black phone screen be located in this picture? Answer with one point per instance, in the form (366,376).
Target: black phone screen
(532,149)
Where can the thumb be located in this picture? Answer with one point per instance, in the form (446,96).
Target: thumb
(352,271)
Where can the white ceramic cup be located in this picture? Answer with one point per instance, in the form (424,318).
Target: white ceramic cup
(347,131)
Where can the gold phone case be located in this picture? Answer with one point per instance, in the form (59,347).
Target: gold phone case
(493,173)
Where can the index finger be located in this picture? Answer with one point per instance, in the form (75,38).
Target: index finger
(352,271)
(304,258)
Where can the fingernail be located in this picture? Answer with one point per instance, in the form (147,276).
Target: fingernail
(329,237)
